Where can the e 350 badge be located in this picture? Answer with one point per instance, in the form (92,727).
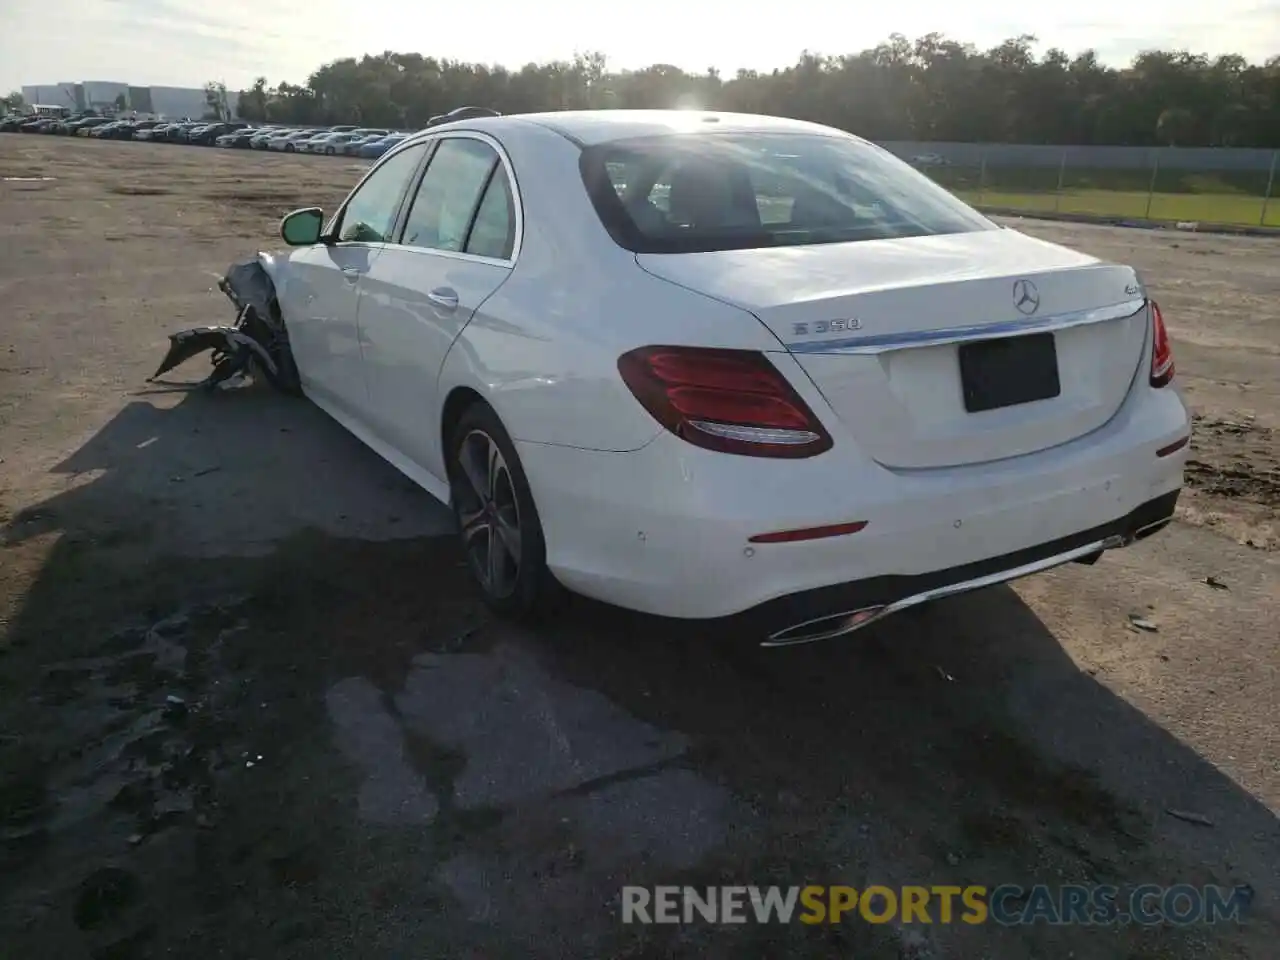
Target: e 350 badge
(827,326)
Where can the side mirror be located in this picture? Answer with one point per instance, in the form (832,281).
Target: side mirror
(302,227)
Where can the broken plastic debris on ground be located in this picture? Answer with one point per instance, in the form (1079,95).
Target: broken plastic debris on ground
(255,346)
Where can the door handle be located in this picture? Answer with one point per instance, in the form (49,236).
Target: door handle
(444,297)
(350,274)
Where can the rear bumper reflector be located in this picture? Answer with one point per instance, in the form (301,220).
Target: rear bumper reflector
(809,533)
(1173,447)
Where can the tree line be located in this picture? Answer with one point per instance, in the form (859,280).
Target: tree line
(932,88)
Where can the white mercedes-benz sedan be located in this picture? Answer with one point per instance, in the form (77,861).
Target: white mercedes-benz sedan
(711,365)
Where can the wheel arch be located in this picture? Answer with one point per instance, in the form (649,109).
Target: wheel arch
(459,398)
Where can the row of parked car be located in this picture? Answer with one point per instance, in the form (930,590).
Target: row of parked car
(346,141)
(343,140)
(26,123)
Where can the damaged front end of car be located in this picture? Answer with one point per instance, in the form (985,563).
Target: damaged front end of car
(255,346)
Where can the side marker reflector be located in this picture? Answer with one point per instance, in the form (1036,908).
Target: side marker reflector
(809,533)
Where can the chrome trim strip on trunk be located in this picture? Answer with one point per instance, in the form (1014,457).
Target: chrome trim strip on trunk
(791,636)
(980,331)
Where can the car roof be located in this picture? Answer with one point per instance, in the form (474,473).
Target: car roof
(588,127)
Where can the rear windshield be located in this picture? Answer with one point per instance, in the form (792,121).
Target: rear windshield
(684,194)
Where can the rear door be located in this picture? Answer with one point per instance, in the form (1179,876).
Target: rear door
(458,244)
(322,286)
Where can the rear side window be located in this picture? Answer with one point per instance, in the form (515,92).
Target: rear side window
(447,197)
(493,234)
(464,203)
(683,194)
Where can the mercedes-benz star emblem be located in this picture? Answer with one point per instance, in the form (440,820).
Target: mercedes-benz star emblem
(1026,297)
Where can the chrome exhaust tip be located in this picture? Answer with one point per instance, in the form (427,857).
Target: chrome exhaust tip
(825,628)
(840,624)
(1143,532)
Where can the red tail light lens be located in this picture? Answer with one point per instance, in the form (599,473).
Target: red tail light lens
(1161,352)
(734,401)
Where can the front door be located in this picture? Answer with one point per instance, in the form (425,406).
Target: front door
(319,301)
(322,285)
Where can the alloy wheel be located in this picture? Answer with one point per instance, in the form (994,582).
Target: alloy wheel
(488,513)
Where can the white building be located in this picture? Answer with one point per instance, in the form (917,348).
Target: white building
(51,94)
(185,102)
(109,96)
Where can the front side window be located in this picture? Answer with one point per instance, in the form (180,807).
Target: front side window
(445,207)
(677,193)
(370,214)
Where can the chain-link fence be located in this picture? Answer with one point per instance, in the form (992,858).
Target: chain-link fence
(1201,185)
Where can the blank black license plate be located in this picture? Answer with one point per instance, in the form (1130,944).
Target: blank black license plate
(1009,371)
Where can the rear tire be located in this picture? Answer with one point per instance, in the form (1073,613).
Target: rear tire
(498,524)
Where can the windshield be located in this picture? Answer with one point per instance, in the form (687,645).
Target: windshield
(684,194)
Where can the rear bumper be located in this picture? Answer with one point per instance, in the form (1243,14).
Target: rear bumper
(667,529)
(833,611)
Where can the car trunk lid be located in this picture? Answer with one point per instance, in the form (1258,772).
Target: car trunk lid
(941,351)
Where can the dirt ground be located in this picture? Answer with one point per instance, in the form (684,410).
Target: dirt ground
(249,706)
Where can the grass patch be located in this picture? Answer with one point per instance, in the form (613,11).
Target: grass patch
(1219,196)
(1204,208)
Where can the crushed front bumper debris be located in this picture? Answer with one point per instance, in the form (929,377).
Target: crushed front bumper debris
(256,345)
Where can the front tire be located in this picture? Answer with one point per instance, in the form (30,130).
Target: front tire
(498,524)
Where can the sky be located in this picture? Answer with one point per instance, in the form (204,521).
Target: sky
(190,42)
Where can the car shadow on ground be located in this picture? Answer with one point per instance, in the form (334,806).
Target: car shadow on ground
(251,704)
(228,473)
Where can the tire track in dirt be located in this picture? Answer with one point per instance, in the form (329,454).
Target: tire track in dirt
(1233,479)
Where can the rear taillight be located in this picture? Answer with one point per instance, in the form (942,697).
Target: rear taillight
(734,401)
(1161,352)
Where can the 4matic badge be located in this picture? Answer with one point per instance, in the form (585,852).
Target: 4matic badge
(827,326)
